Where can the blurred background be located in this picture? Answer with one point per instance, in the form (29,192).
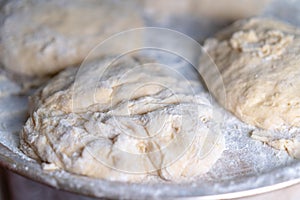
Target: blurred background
(197,18)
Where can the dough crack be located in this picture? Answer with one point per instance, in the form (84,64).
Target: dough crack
(270,44)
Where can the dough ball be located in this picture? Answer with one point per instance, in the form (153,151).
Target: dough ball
(258,60)
(127,122)
(41,37)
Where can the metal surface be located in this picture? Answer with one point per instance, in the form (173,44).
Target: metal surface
(243,186)
(247,167)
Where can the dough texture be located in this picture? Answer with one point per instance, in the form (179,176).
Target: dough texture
(288,141)
(133,122)
(258,60)
(41,37)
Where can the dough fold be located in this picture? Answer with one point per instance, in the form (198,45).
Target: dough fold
(128,122)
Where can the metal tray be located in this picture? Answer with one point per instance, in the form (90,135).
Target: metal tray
(247,167)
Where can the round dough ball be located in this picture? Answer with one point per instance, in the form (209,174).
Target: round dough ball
(259,62)
(43,37)
(128,122)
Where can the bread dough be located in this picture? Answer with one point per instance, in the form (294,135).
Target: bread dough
(283,140)
(42,37)
(132,122)
(259,63)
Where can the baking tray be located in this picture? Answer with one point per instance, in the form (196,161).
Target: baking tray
(247,167)
(237,187)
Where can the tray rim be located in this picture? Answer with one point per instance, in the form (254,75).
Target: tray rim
(275,179)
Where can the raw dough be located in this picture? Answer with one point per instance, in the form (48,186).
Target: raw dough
(259,63)
(41,37)
(284,141)
(140,118)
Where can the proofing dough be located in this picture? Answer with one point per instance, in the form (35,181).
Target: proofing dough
(259,63)
(284,141)
(144,119)
(41,37)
